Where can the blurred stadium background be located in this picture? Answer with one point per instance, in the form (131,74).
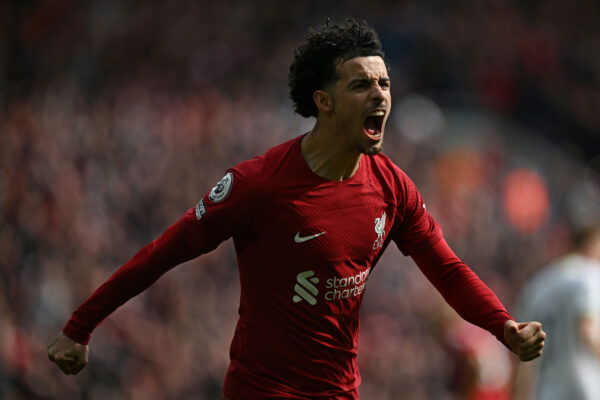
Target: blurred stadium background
(117,116)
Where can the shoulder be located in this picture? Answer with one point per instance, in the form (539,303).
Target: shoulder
(387,168)
(267,162)
(385,173)
(257,173)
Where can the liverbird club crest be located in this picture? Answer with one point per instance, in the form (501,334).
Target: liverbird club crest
(380,231)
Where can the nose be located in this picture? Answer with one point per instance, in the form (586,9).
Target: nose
(378,94)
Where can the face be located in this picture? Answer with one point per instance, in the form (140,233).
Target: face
(362,103)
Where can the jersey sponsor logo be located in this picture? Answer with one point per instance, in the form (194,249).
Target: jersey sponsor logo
(380,231)
(338,288)
(345,287)
(305,288)
(200,209)
(221,189)
(301,239)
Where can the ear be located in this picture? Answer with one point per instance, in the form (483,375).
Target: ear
(324,101)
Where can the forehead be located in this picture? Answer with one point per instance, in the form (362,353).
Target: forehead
(371,67)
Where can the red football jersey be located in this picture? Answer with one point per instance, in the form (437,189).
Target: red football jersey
(305,247)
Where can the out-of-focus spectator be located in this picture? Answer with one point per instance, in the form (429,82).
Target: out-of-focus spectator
(565,297)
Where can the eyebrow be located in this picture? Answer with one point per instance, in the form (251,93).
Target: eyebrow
(366,80)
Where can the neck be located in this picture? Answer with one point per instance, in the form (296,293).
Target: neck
(329,157)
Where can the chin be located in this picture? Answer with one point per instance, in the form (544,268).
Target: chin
(370,144)
(372,150)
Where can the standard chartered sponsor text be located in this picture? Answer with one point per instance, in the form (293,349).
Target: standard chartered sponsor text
(350,286)
(339,288)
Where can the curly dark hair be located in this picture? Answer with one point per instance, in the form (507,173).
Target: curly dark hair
(327,46)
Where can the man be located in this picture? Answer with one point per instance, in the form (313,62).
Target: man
(565,296)
(309,220)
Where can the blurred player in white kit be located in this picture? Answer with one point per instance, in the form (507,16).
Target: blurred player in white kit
(565,298)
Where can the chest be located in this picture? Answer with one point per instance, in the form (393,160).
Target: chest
(329,224)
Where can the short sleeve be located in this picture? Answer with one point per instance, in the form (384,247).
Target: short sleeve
(415,230)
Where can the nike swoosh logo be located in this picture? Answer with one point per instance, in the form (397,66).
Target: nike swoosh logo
(300,239)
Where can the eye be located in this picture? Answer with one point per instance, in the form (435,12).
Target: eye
(384,84)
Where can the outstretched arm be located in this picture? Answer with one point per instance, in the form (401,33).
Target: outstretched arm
(221,212)
(177,244)
(475,302)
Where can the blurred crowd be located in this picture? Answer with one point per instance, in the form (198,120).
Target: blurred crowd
(116,117)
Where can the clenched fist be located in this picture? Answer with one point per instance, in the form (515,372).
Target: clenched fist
(526,339)
(69,355)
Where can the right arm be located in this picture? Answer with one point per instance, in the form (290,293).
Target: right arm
(200,230)
(69,350)
(173,247)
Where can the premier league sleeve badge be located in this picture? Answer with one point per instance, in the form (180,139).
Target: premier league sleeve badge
(221,189)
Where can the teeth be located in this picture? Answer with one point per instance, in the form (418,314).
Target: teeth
(377,113)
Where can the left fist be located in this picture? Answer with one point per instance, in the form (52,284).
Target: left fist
(525,339)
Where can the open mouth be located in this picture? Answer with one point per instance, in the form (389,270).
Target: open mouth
(373,125)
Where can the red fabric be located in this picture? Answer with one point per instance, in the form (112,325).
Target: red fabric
(297,334)
(170,249)
(462,289)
